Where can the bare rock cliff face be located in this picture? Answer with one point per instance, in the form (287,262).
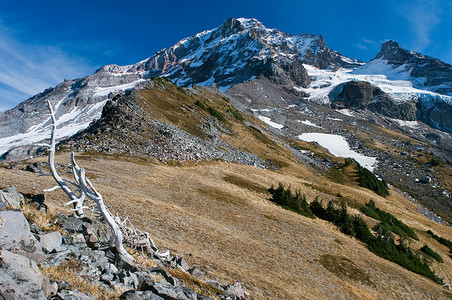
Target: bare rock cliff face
(362,95)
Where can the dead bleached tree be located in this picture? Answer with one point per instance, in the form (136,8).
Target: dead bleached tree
(124,231)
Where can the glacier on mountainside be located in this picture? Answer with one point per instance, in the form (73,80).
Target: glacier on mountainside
(400,89)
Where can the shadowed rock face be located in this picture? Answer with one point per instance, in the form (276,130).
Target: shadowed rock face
(362,95)
(438,116)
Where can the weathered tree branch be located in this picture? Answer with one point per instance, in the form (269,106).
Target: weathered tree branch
(78,201)
(124,231)
(85,189)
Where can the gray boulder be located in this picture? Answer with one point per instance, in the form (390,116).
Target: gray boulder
(10,197)
(77,240)
(138,295)
(20,277)
(425,179)
(236,291)
(73,295)
(168,291)
(15,236)
(23,152)
(50,241)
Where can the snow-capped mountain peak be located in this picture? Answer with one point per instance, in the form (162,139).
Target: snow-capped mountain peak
(425,72)
(238,51)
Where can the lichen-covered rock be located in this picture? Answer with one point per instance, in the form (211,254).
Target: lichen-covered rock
(15,236)
(50,241)
(9,197)
(20,277)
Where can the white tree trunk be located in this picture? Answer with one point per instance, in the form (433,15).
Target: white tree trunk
(85,188)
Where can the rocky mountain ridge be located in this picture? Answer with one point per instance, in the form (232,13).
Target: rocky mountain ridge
(426,72)
(238,55)
(126,127)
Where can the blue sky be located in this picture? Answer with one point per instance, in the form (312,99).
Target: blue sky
(44,42)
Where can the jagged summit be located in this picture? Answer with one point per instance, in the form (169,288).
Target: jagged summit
(394,54)
(236,51)
(425,72)
(239,56)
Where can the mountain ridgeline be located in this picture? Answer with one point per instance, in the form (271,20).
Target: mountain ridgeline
(242,56)
(189,142)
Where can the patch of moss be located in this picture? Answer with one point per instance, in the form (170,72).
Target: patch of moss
(200,105)
(344,268)
(222,196)
(261,137)
(215,113)
(336,175)
(236,114)
(245,183)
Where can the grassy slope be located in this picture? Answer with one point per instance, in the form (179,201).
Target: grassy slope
(218,217)
(234,232)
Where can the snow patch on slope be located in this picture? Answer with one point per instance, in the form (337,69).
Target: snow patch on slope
(309,123)
(269,122)
(410,124)
(105,91)
(338,146)
(380,66)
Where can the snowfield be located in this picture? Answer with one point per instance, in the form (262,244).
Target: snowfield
(395,84)
(338,146)
(269,122)
(309,123)
(67,125)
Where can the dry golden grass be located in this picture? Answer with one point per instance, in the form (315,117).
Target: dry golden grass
(344,268)
(141,258)
(174,107)
(46,221)
(215,215)
(195,284)
(65,272)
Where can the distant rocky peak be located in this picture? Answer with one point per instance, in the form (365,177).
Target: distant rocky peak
(233,26)
(425,72)
(393,53)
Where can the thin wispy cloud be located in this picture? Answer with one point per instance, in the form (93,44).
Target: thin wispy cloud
(29,69)
(8,97)
(423,16)
(365,44)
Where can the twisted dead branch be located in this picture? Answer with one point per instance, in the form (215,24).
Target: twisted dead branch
(124,231)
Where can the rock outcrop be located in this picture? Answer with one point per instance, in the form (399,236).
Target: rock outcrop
(362,95)
(131,130)
(86,252)
(15,236)
(9,197)
(20,277)
(427,72)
